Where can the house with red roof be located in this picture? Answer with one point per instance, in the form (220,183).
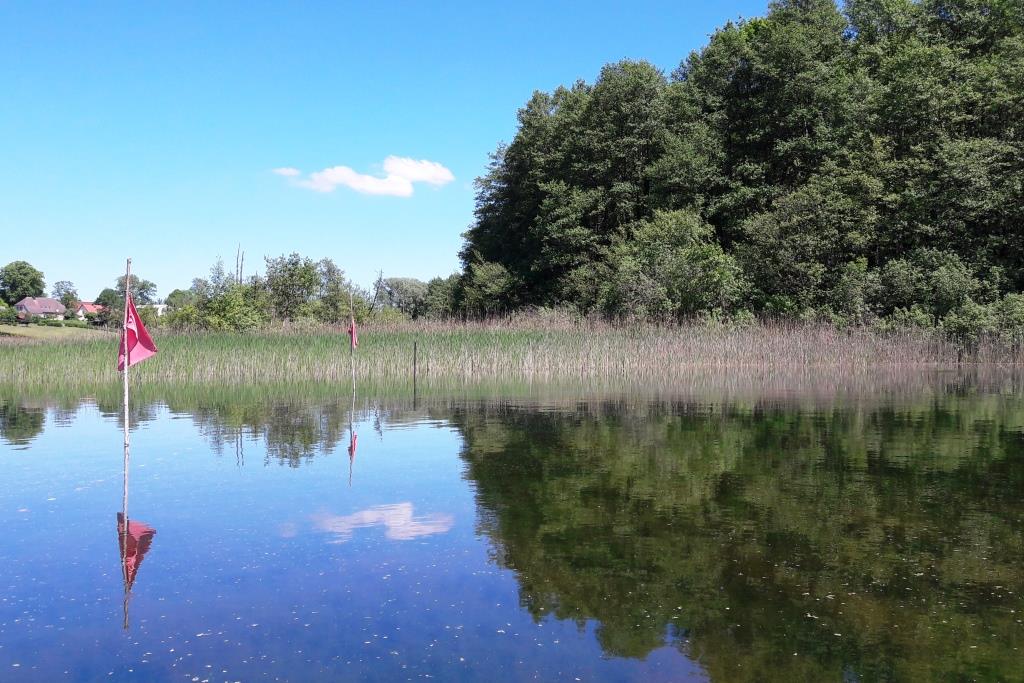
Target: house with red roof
(40,307)
(85,308)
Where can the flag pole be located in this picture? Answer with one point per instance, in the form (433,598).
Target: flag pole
(352,339)
(125,350)
(124,499)
(352,364)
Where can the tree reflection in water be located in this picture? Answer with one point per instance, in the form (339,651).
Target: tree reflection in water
(771,543)
(770,539)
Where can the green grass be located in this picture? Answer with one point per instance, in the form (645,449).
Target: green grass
(46,333)
(456,354)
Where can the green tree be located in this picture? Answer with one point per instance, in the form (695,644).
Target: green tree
(335,294)
(109,298)
(292,282)
(487,288)
(441,299)
(18,279)
(65,292)
(143,291)
(831,156)
(407,294)
(179,298)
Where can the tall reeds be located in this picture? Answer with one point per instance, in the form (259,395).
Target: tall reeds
(504,350)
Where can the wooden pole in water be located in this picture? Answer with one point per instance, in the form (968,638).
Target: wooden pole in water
(124,376)
(352,364)
(127,452)
(351,341)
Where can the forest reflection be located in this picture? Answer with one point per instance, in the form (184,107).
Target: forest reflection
(770,539)
(771,543)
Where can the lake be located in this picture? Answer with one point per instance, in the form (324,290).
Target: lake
(672,537)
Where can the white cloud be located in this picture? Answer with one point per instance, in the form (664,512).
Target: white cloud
(421,171)
(399,175)
(330,178)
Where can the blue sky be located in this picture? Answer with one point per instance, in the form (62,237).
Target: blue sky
(154,129)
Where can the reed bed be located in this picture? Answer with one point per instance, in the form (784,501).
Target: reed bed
(507,350)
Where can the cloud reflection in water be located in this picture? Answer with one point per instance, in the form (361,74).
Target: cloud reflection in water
(397,519)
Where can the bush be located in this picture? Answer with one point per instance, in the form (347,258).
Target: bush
(914,317)
(968,323)
(8,316)
(937,280)
(1010,319)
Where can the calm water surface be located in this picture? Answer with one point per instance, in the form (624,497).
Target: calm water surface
(616,539)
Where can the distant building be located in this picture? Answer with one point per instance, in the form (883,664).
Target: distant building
(40,307)
(85,308)
(160,309)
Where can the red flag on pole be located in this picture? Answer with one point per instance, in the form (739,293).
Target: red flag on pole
(140,344)
(352,333)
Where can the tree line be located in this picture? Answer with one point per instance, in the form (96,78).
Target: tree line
(856,166)
(291,288)
(862,165)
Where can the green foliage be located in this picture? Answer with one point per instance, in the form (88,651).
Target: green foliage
(18,280)
(969,322)
(848,168)
(8,316)
(179,298)
(487,288)
(109,298)
(65,292)
(292,282)
(1009,313)
(143,291)
(440,301)
(406,294)
(295,288)
(334,292)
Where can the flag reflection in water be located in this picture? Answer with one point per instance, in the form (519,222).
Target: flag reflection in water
(134,539)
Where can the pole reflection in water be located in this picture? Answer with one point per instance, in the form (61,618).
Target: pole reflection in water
(134,539)
(352,437)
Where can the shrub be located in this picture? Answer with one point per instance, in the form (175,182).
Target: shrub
(1009,314)
(968,323)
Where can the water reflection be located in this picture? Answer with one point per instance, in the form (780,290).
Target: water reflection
(772,544)
(765,539)
(133,539)
(20,423)
(398,520)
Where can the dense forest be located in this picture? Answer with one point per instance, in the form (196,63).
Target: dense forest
(863,165)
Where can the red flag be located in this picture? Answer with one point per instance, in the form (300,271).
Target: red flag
(353,334)
(140,344)
(134,542)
